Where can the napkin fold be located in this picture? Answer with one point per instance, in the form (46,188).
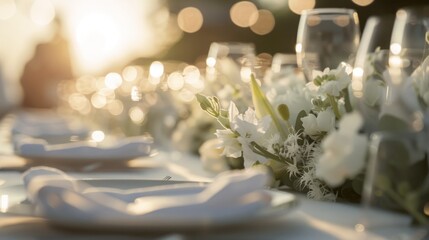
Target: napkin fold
(125,148)
(231,195)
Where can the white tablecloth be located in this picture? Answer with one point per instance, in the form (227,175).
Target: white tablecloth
(310,220)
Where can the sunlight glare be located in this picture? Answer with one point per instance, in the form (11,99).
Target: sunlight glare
(97,37)
(7,9)
(42,12)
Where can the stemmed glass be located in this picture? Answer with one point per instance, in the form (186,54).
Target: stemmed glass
(372,60)
(326,37)
(409,37)
(229,68)
(397,173)
(282,65)
(231,59)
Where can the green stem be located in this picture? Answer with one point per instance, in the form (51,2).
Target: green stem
(263,152)
(419,217)
(347,102)
(334,105)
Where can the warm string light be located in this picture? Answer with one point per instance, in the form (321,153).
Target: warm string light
(297,6)
(245,14)
(363,3)
(190,19)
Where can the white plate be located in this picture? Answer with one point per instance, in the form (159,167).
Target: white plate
(282,203)
(48,125)
(77,152)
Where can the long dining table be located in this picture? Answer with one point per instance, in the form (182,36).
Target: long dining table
(310,219)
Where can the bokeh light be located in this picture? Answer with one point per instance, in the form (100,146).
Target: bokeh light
(211,62)
(245,74)
(363,3)
(132,73)
(175,81)
(113,80)
(156,69)
(98,100)
(4,202)
(395,48)
(98,136)
(265,22)
(79,102)
(190,19)
(42,12)
(186,96)
(116,107)
(342,21)
(136,115)
(297,6)
(86,84)
(243,13)
(7,9)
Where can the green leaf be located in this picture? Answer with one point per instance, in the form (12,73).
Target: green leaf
(263,107)
(283,111)
(347,103)
(298,122)
(209,104)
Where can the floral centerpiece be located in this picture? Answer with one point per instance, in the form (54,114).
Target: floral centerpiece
(310,136)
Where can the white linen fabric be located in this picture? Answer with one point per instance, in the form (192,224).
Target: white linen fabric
(59,197)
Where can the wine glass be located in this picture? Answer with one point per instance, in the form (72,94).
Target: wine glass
(409,38)
(396,183)
(326,37)
(229,69)
(372,61)
(233,60)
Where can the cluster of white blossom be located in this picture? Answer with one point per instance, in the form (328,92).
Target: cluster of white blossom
(306,113)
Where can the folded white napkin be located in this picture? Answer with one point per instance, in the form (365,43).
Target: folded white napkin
(231,195)
(120,149)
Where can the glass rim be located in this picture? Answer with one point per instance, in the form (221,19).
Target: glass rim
(314,11)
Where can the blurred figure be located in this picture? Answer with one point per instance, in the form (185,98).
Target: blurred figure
(49,65)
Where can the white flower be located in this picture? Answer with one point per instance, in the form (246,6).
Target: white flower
(211,156)
(324,122)
(229,142)
(339,79)
(344,152)
(294,94)
(249,129)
